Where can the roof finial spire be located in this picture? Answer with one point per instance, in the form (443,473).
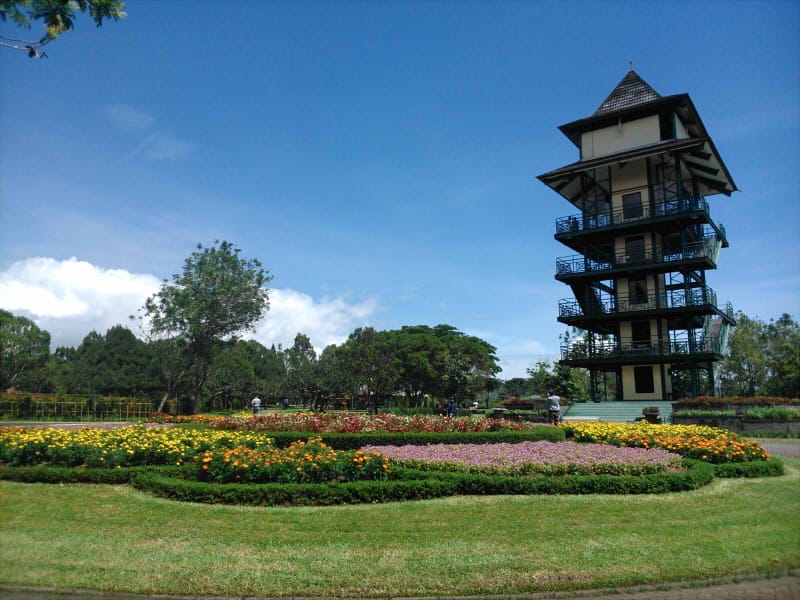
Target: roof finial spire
(630,64)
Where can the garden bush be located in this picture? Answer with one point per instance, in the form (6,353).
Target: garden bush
(408,484)
(762,468)
(50,474)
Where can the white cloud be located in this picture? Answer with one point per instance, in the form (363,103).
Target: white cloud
(162,146)
(327,321)
(128,118)
(157,145)
(70,298)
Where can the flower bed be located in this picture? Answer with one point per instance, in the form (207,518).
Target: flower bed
(709,444)
(528,458)
(302,462)
(361,423)
(121,447)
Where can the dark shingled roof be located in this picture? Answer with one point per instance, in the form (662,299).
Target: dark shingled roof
(631,91)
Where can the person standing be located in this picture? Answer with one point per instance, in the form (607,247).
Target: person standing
(256,403)
(553,408)
(451,408)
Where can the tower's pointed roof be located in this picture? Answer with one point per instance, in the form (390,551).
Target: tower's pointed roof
(631,91)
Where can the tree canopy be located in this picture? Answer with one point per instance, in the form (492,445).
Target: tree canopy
(24,348)
(57,17)
(764,358)
(218,295)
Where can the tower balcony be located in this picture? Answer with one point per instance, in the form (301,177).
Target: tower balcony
(694,255)
(696,301)
(581,226)
(679,349)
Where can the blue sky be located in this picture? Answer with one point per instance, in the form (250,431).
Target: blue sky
(379,158)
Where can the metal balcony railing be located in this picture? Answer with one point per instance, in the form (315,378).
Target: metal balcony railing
(578,264)
(590,222)
(673,299)
(629,348)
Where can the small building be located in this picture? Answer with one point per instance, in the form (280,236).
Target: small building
(642,239)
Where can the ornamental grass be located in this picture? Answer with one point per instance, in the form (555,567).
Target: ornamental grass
(302,462)
(533,458)
(710,444)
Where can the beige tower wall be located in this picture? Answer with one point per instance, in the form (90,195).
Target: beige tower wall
(629,384)
(623,136)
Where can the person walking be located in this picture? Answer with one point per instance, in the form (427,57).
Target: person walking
(451,408)
(553,408)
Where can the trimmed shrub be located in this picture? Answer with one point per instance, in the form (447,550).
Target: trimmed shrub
(763,468)
(408,484)
(49,474)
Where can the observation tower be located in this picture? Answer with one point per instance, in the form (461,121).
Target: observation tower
(641,241)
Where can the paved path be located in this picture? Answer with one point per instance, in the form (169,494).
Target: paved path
(780,588)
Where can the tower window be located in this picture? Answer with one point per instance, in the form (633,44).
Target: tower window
(640,334)
(634,249)
(637,291)
(643,380)
(632,206)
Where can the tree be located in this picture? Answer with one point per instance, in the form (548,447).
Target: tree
(57,16)
(231,378)
(763,358)
(300,360)
(421,356)
(783,357)
(469,363)
(24,348)
(218,295)
(269,369)
(374,365)
(745,368)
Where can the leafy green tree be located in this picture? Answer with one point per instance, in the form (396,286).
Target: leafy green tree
(231,378)
(468,364)
(24,349)
(269,370)
(763,358)
(335,375)
(300,360)
(57,17)
(783,357)
(218,295)
(421,354)
(745,369)
(126,366)
(374,365)
(542,378)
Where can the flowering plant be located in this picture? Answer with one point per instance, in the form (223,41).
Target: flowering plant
(710,444)
(362,423)
(124,446)
(302,462)
(528,458)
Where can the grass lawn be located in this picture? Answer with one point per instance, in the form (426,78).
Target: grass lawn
(116,538)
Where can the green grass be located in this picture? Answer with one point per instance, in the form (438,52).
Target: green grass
(116,538)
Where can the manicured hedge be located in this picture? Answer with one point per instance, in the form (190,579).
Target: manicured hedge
(48,474)
(407,484)
(761,468)
(354,441)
